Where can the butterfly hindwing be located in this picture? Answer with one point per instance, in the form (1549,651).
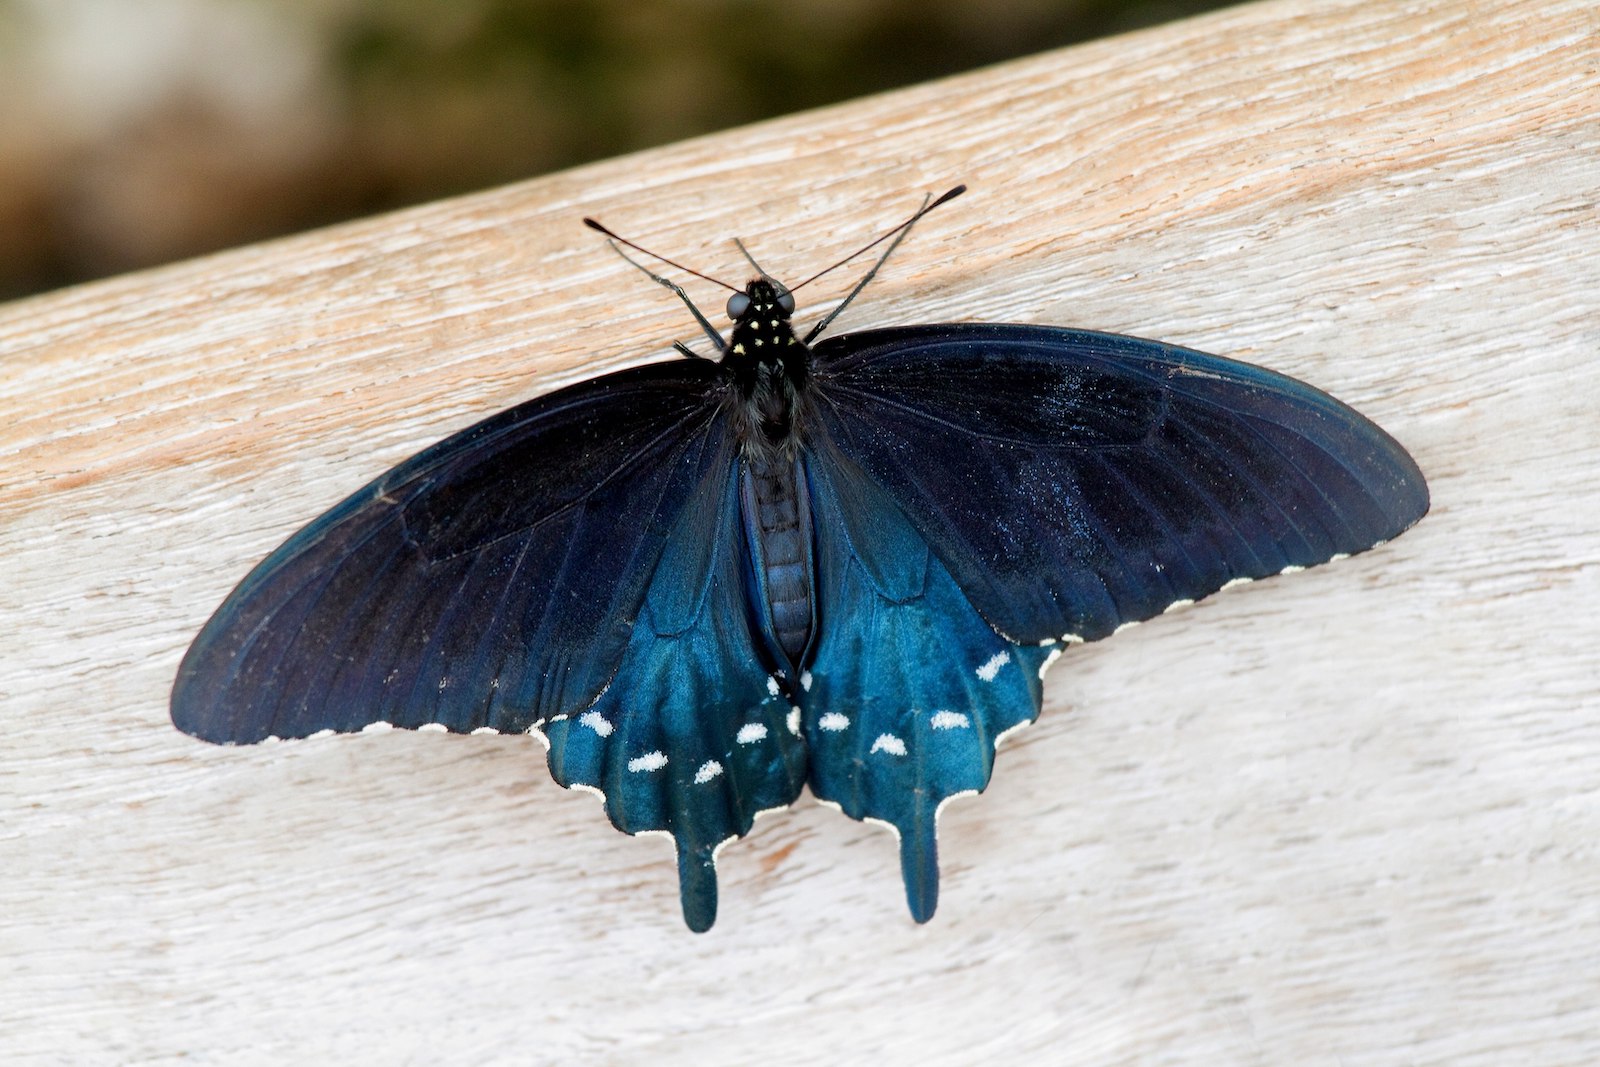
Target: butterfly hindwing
(487,583)
(1075,481)
(694,737)
(910,688)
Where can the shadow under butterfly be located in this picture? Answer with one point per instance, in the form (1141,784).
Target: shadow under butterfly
(709,583)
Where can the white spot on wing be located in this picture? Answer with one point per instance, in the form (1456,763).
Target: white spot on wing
(484,730)
(319,733)
(433,728)
(1130,624)
(805,680)
(949,720)
(833,722)
(889,743)
(708,770)
(991,668)
(596,722)
(793,722)
(1177,604)
(1236,582)
(938,812)
(772,685)
(1291,569)
(1049,661)
(379,727)
(1005,735)
(650,761)
(750,733)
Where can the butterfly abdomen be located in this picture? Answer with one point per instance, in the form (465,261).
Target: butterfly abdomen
(777,515)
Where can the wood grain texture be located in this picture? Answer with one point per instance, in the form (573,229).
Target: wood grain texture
(1344,818)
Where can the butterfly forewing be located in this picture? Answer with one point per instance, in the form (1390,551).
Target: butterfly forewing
(1076,481)
(489,582)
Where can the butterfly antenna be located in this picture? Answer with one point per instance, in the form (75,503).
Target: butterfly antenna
(759,268)
(894,237)
(616,244)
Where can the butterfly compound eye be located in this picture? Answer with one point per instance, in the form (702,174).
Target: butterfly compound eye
(786,301)
(738,304)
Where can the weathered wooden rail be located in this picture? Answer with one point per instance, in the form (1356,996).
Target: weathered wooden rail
(1348,817)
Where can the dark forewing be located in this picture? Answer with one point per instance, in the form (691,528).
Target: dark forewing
(488,582)
(1074,481)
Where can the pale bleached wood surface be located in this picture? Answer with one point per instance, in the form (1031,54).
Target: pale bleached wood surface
(1345,818)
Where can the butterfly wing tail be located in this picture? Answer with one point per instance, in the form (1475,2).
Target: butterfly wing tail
(693,738)
(908,701)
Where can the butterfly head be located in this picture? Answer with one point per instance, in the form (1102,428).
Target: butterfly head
(760,317)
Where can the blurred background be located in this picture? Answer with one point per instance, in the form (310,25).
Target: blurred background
(134,132)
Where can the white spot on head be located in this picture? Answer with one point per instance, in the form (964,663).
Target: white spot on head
(793,722)
(889,743)
(708,770)
(949,720)
(750,733)
(379,727)
(1049,661)
(1130,624)
(772,685)
(992,667)
(433,728)
(596,722)
(484,730)
(805,680)
(650,761)
(833,722)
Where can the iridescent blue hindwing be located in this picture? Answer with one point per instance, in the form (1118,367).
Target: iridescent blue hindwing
(694,737)
(910,689)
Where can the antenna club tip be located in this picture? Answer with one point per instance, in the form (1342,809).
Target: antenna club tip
(951,194)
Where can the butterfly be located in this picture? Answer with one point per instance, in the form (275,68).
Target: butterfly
(709,583)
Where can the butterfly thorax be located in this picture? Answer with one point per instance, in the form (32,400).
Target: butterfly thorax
(769,368)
